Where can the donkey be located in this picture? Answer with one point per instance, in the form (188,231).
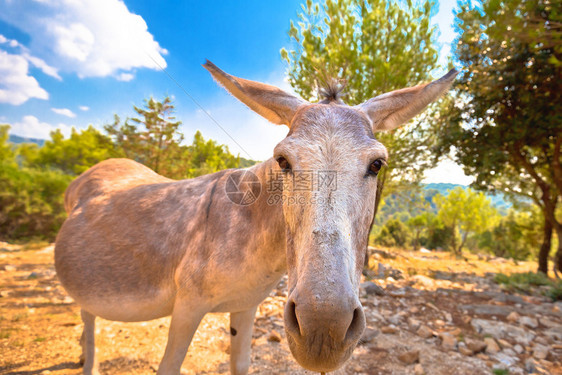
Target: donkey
(137,246)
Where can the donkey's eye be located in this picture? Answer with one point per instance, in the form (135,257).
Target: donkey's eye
(376,166)
(283,164)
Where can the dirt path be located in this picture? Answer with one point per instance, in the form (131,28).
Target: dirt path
(455,322)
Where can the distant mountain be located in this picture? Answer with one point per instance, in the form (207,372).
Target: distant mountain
(18,139)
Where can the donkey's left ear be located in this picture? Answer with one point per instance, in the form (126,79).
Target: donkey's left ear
(268,101)
(389,111)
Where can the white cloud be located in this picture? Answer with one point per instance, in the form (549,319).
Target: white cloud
(16,85)
(92,38)
(31,127)
(84,108)
(35,61)
(64,112)
(125,77)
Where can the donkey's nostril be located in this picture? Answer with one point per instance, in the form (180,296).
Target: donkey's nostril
(291,320)
(357,325)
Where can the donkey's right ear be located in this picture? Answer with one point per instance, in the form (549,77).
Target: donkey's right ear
(268,101)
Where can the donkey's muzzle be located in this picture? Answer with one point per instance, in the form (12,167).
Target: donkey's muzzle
(323,333)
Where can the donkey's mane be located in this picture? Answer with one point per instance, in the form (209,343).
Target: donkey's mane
(331,90)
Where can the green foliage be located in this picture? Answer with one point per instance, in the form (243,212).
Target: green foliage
(505,123)
(208,157)
(7,154)
(394,233)
(31,202)
(500,371)
(376,46)
(33,179)
(528,281)
(418,224)
(466,212)
(73,155)
(153,138)
(515,236)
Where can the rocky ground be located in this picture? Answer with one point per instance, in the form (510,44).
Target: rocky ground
(426,314)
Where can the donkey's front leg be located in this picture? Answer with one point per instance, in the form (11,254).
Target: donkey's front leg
(241,327)
(185,319)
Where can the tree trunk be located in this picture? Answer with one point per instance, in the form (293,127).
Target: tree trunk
(463,241)
(545,247)
(558,256)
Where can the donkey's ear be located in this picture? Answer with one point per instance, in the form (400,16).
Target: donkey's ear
(389,111)
(268,101)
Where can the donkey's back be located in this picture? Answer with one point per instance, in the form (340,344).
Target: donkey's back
(106,177)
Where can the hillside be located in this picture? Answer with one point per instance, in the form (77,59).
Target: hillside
(19,139)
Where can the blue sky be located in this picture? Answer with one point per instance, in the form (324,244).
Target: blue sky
(66,63)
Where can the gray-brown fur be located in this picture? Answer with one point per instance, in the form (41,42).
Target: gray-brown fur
(138,246)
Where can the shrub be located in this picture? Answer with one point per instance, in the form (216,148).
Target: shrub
(31,202)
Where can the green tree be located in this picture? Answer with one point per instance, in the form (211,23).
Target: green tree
(418,224)
(393,233)
(7,154)
(208,156)
(31,202)
(376,46)
(153,138)
(514,236)
(465,212)
(73,155)
(506,120)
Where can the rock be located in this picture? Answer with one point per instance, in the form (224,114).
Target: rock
(410,357)
(9,268)
(518,349)
(389,330)
(424,332)
(418,369)
(369,335)
(464,350)
(413,323)
(529,322)
(487,309)
(439,322)
(381,271)
(513,317)
(530,365)
(492,346)
(549,323)
(423,280)
(32,276)
(476,346)
(540,351)
(395,319)
(503,330)
(555,334)
(372,289)
(505,359)
(448,341)
(274,336)
(504,344)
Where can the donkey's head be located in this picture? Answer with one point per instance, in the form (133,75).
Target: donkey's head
(329,163)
